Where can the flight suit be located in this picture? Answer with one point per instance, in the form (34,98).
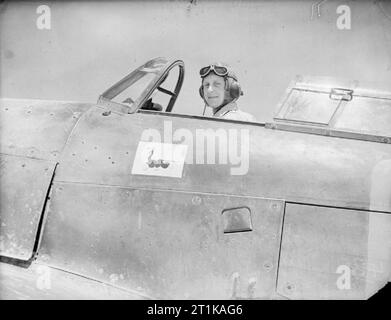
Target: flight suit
(231,111)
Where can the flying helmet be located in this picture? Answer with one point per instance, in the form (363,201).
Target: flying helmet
(232,85)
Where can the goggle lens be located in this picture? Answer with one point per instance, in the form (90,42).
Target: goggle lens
(220,71)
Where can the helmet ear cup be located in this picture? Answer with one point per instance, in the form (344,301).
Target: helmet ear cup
(201,91)
(235,90)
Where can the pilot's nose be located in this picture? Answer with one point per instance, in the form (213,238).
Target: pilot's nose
(210,88)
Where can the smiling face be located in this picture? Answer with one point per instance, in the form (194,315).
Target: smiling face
(214,90)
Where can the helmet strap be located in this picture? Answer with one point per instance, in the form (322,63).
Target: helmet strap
(203,113)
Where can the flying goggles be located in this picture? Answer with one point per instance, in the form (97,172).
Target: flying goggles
(219,70)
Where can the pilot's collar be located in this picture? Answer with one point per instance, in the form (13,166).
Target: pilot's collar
(227,108)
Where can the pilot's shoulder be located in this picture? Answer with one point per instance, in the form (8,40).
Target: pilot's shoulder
(239,115)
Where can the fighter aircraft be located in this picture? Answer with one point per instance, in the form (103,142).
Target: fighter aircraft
(125,199)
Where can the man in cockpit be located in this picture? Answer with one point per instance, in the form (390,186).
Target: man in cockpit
(220,90)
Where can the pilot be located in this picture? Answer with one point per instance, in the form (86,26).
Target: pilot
(220,90)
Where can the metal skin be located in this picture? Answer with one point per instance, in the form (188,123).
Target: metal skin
(33,134)
(311,211)
(22,203)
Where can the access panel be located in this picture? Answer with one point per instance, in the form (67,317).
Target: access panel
(332,253)
(165,244)
(24,184)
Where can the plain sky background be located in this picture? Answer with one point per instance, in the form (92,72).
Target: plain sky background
(92,45)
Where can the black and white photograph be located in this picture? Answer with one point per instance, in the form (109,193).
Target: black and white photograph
(194,150)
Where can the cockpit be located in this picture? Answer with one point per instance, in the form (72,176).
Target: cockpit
(154,86)
(316,105)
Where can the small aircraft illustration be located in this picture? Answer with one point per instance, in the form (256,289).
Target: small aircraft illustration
(156,163)
(298,208)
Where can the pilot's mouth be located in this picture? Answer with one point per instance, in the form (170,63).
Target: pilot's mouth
(213,97)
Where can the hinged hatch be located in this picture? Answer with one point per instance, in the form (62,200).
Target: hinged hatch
(338,106)
(24,186)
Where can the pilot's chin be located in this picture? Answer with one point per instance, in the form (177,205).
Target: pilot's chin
(211,105)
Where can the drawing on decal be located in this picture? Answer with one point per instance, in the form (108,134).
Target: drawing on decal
(156,163)
(159,159)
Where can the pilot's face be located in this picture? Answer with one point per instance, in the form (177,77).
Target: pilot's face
(214,90)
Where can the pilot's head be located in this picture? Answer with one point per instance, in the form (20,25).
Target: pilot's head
(219,85)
